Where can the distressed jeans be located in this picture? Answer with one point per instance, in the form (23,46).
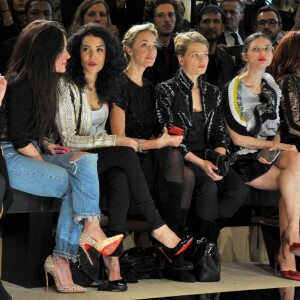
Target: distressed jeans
(74,182)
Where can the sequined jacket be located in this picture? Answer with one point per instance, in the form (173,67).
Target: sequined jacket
(74,119)
(175,107)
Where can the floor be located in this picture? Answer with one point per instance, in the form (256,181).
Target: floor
(237,245)
(234,277)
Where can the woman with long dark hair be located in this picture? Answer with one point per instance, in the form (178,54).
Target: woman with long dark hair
(96,61)
(35,167)
(251,110)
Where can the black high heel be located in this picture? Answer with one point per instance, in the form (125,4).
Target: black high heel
(179,248)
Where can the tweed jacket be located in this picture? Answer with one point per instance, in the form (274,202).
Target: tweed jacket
(175,107)
(74,119)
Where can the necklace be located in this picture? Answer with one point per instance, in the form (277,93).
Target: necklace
(92,96)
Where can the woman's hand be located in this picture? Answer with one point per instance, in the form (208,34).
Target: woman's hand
(127,142)
(51,148)
(209,168)
(3,84)
(167,140)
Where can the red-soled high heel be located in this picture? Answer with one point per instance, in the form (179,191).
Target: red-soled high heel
(293,275)
(294,248)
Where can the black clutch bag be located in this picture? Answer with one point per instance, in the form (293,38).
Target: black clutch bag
(219,160)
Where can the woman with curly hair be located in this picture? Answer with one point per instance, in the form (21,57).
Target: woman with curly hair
(92,11)
(96,60)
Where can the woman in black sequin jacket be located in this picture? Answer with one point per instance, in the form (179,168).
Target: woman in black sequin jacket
(194,105)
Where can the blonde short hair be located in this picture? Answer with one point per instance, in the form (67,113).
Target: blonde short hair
(183,40)
(131,34)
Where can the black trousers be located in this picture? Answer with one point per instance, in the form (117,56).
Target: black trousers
(215,199)
(122,172)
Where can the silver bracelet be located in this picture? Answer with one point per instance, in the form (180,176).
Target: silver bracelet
(140,145)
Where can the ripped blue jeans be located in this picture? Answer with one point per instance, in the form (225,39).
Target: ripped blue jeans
(74,182)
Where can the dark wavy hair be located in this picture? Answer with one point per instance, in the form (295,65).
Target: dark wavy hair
(114,63)
(151,6)
(33,58)
(286,58)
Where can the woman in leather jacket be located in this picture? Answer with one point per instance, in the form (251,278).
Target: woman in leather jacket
(188,102)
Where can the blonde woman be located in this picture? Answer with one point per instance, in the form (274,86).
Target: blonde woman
(133,115)
(194,105)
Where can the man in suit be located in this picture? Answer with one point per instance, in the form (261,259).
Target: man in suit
(164,14)
(233,10)
(221,68)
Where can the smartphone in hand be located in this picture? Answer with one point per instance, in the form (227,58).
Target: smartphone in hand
(268,155)
(61,151)
(174,130)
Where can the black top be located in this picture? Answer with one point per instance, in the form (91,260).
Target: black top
(21,116)
(138,104)
(195,141)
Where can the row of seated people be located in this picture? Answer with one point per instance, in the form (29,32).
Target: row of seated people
(96,61)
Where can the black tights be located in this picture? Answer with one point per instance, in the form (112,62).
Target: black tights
(175,188)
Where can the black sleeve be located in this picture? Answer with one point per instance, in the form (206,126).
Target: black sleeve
(218,133)
(20,113)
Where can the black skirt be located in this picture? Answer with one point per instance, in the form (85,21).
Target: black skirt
(249,167)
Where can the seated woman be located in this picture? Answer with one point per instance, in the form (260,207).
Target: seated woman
(28,113)
(96,60)
(286,72)
(4,194)
(92,11)
(133,115)
(251,110)
(195,106)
